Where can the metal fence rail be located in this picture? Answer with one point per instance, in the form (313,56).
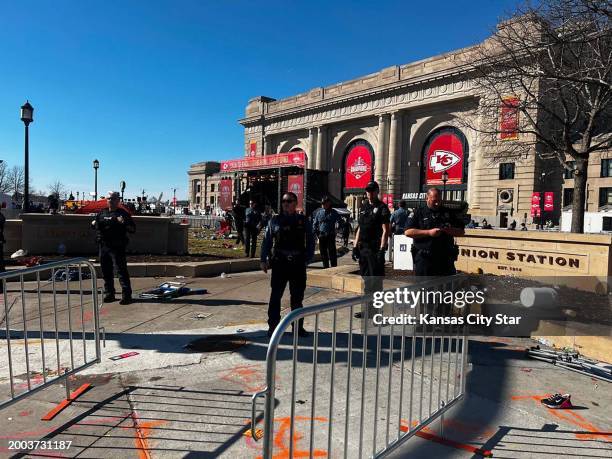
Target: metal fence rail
(51,326)
(343,380)
(198,221)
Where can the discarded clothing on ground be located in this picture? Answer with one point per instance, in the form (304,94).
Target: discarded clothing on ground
(169,290)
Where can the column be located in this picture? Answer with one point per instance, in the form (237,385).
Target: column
(321,148)
(311,153)
(394,169)
(266,145)
(381,151)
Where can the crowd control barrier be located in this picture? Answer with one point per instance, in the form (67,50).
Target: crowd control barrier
(355,389)
(51,326)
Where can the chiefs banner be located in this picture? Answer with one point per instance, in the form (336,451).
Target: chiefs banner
(253,148)
(358,168)
(509,118)
(535,204)
(387,198)
(445,153)
(225,193)
(549,198)
(295,184)
(291,159)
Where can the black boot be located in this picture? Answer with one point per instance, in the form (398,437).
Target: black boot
(127,299)
(109,297)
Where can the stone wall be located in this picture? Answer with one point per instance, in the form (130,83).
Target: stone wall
(577,260)
(42,234)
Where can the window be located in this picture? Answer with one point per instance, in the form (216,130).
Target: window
(606,167)
(568,196)
(199,187)
(212,200)
(569,174)
(506,171)
(605,196)
(212,187)
(197,200)
(606,224)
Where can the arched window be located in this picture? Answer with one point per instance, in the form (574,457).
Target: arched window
(445,151)
(358,166)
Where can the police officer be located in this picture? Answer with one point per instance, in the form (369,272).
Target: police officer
(112,225)
(433,228)
(287,248)
(324,226)
(252,225)
(372,240)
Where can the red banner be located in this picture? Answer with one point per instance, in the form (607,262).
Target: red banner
(535,204)
(509,118)
(387,198)
(295,184)
(358,168)
(549,199)
(253,148)
(445,154)
(293,159)
(225,193)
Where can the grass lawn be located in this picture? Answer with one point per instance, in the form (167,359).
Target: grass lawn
(200,243)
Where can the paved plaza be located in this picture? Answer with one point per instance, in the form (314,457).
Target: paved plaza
(170,401)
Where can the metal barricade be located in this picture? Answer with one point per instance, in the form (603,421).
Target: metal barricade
(198,221)
(408,374)
(48,307)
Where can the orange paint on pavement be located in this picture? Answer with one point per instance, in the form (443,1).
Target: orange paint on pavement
(251,377)
(281,448)
(571,417)
(427,434)
(142,431)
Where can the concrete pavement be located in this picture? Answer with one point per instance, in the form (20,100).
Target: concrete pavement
(169,402)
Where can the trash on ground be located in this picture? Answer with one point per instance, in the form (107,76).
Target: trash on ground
(71,275)
(573,361)
(124,356)
(19,253)
(168,290)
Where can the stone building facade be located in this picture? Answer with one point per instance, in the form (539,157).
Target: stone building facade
(399,115)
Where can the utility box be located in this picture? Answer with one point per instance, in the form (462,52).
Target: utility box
(402,256)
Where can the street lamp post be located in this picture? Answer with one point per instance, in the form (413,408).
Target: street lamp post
(96,165)
(174,200)
(27,116)
(444,180)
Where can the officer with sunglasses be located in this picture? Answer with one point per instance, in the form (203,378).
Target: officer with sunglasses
(287,248)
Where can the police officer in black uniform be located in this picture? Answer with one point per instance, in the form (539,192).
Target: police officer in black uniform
(112,225)
(287,248)
(372,240)
(433,228)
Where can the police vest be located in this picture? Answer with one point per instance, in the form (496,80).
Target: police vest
(289,233)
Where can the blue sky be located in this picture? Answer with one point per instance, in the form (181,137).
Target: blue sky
(149,87)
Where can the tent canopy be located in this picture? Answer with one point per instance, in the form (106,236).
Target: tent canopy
(93,207)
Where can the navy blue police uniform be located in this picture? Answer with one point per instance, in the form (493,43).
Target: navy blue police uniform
(372,217)
(252,224)
(288,247)
(434,256)
(324,223)
(112,239)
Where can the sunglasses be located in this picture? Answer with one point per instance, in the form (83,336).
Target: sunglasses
(288,201)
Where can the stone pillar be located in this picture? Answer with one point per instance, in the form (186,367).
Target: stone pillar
(381,151)
(266,145)
(394,169)
(321,163)
(311,153)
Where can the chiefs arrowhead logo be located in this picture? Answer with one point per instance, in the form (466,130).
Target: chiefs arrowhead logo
(442,160)
(359,168)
